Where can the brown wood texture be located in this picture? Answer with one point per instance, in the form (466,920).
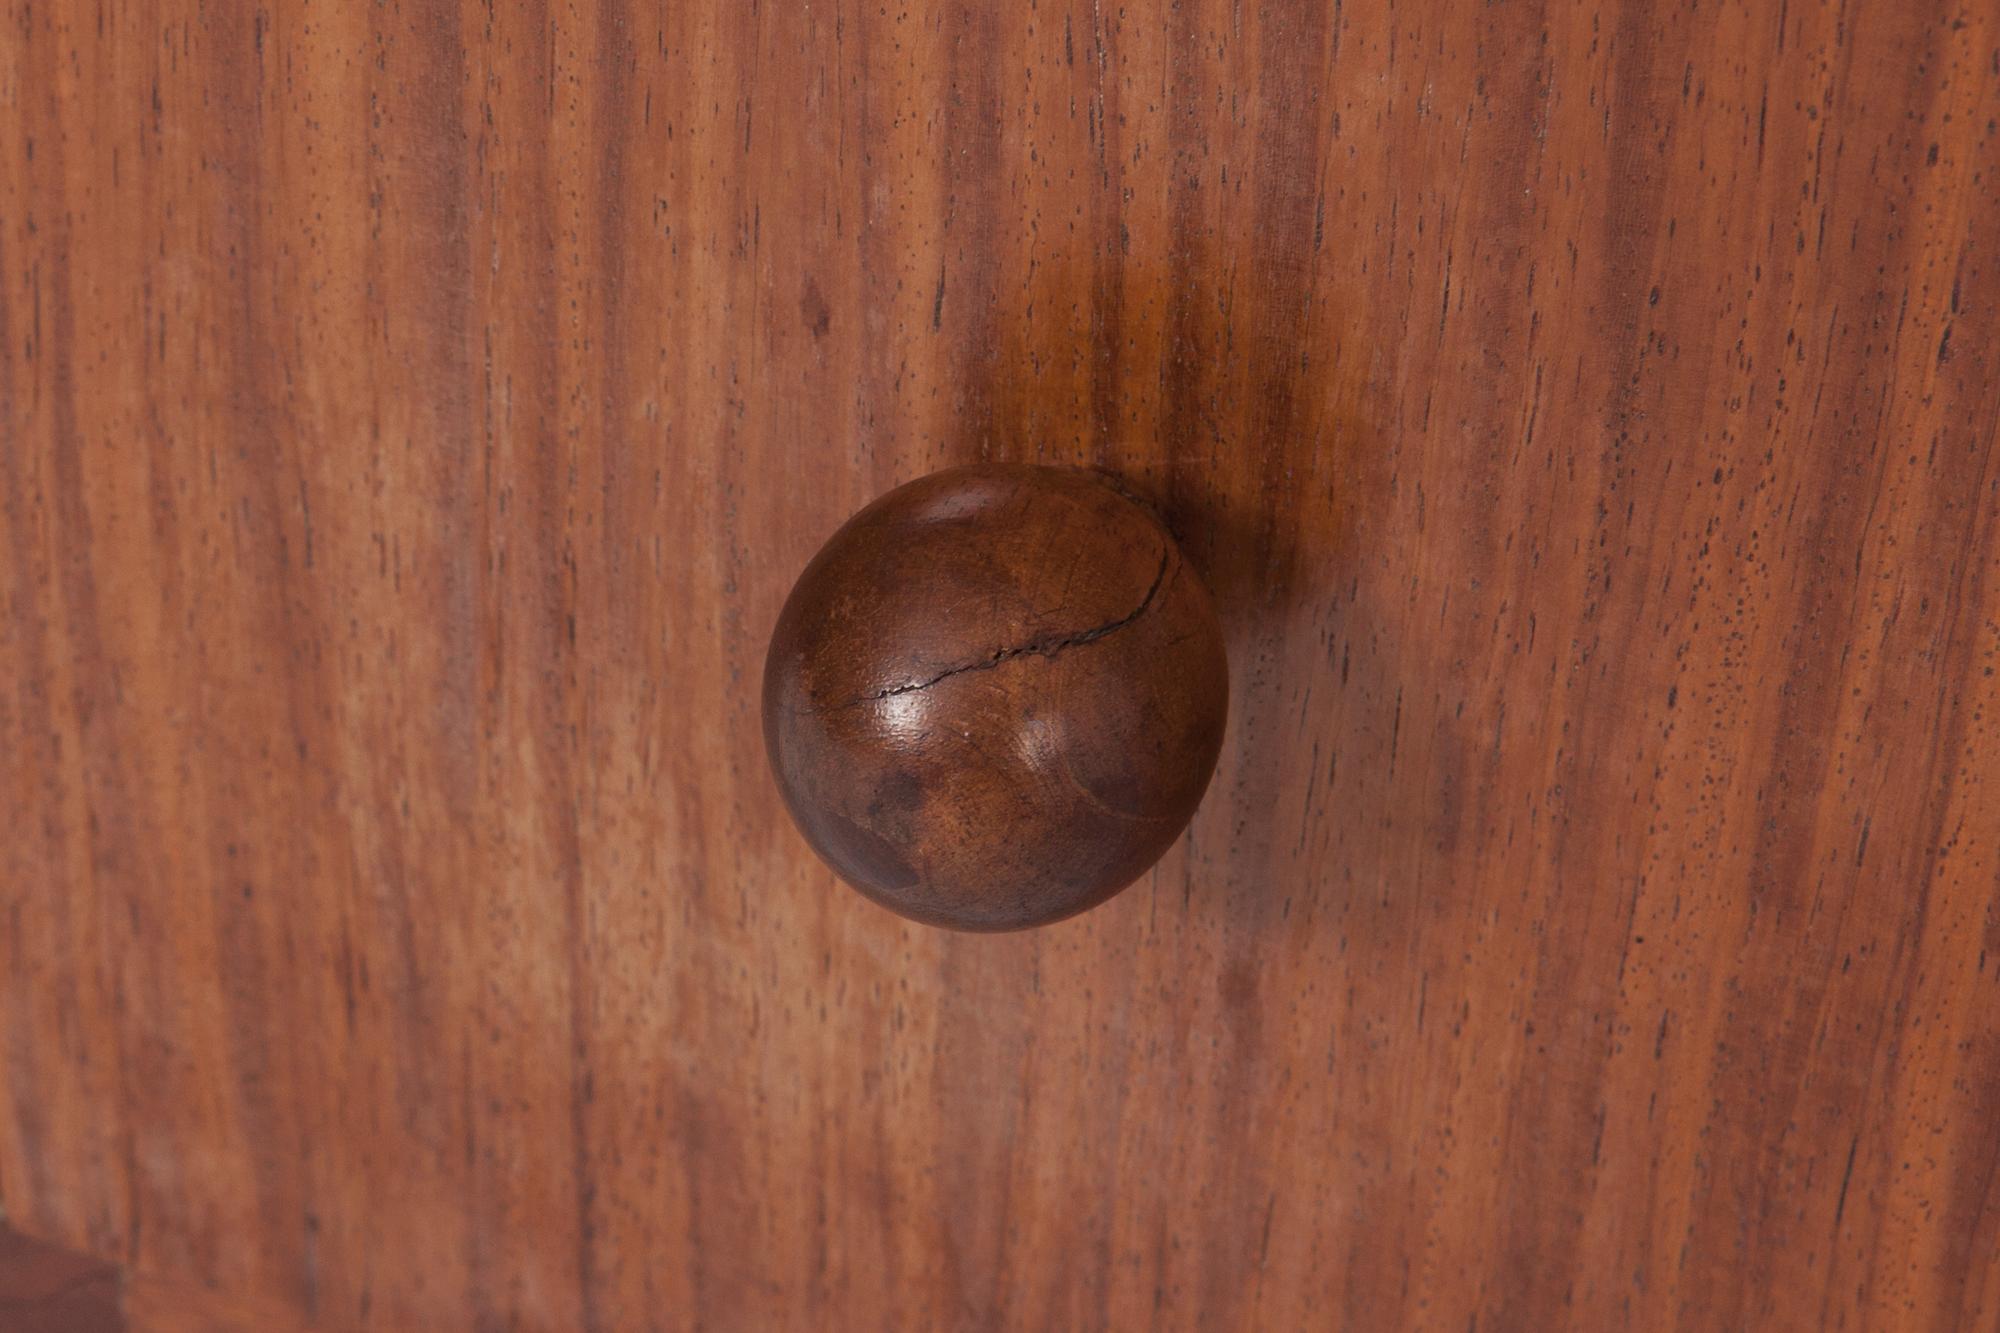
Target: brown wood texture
(168,1304)
(1584,413)
(44,1289)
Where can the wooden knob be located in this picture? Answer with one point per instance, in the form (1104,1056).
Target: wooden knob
(995,696)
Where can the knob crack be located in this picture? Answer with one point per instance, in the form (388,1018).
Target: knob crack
(1046,646)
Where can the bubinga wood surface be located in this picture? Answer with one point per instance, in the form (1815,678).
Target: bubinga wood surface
(413,415)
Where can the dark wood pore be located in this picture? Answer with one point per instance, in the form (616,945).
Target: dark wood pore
(996,695)
(412,416)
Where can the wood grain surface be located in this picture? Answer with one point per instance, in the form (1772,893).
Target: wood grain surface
(412,415)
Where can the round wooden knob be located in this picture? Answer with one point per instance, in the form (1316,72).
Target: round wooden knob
(995,696)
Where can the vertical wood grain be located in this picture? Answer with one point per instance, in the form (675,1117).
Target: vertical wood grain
(412,414)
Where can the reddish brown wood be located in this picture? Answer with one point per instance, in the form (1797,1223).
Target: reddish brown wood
(995,696)
(412,416)
(44,1289)
(168,1304)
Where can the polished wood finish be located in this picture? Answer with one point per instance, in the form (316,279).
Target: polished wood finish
(414,415)
(996,695)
